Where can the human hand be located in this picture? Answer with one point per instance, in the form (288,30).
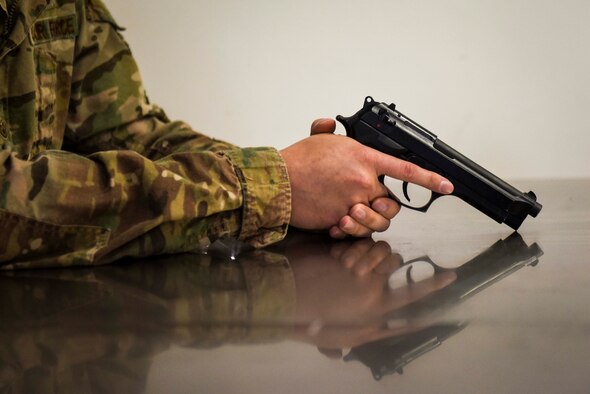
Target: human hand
(361,220)
(331,175)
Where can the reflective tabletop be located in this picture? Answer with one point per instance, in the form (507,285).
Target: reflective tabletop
(446,301)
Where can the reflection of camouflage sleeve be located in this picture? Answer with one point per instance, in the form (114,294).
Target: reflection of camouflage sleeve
(91,171)
(97,331)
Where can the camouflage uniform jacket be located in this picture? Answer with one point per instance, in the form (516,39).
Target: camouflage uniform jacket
(90,171)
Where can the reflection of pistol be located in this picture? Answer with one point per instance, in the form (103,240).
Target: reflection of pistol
(389,355)
(493,264)
(382,127)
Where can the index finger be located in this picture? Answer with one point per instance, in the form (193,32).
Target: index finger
(411,173)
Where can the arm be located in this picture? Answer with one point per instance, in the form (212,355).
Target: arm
(361,219)
(134,184)
(131,183)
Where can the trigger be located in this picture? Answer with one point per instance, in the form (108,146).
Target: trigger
(405,189)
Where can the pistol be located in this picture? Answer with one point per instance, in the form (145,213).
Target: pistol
(391,355)
(382,127)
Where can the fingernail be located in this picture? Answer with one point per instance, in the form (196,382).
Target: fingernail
(446,187)
(346,225)
(359,214)
(318,122)
(380,207)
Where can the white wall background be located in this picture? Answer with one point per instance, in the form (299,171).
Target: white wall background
(507,82)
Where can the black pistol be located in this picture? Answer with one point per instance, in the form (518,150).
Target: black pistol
(382,127)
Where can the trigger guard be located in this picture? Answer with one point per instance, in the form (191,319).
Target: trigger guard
(433,197)
(424,208)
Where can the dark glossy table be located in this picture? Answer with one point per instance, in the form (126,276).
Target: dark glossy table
(444,302)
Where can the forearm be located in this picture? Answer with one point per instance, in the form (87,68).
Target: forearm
(129,181)
(67,209)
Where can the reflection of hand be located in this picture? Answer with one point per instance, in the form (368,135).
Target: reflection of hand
(345,292)
(331,175)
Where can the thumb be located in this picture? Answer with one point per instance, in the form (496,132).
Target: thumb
(323,125)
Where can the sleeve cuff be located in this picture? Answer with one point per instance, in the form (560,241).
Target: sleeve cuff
(266,194)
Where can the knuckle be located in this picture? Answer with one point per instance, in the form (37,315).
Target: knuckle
(408,170)
(434,180)
(366,155)
(365,181)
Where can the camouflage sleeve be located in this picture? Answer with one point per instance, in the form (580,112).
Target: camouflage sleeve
(109,109)
(129,182)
